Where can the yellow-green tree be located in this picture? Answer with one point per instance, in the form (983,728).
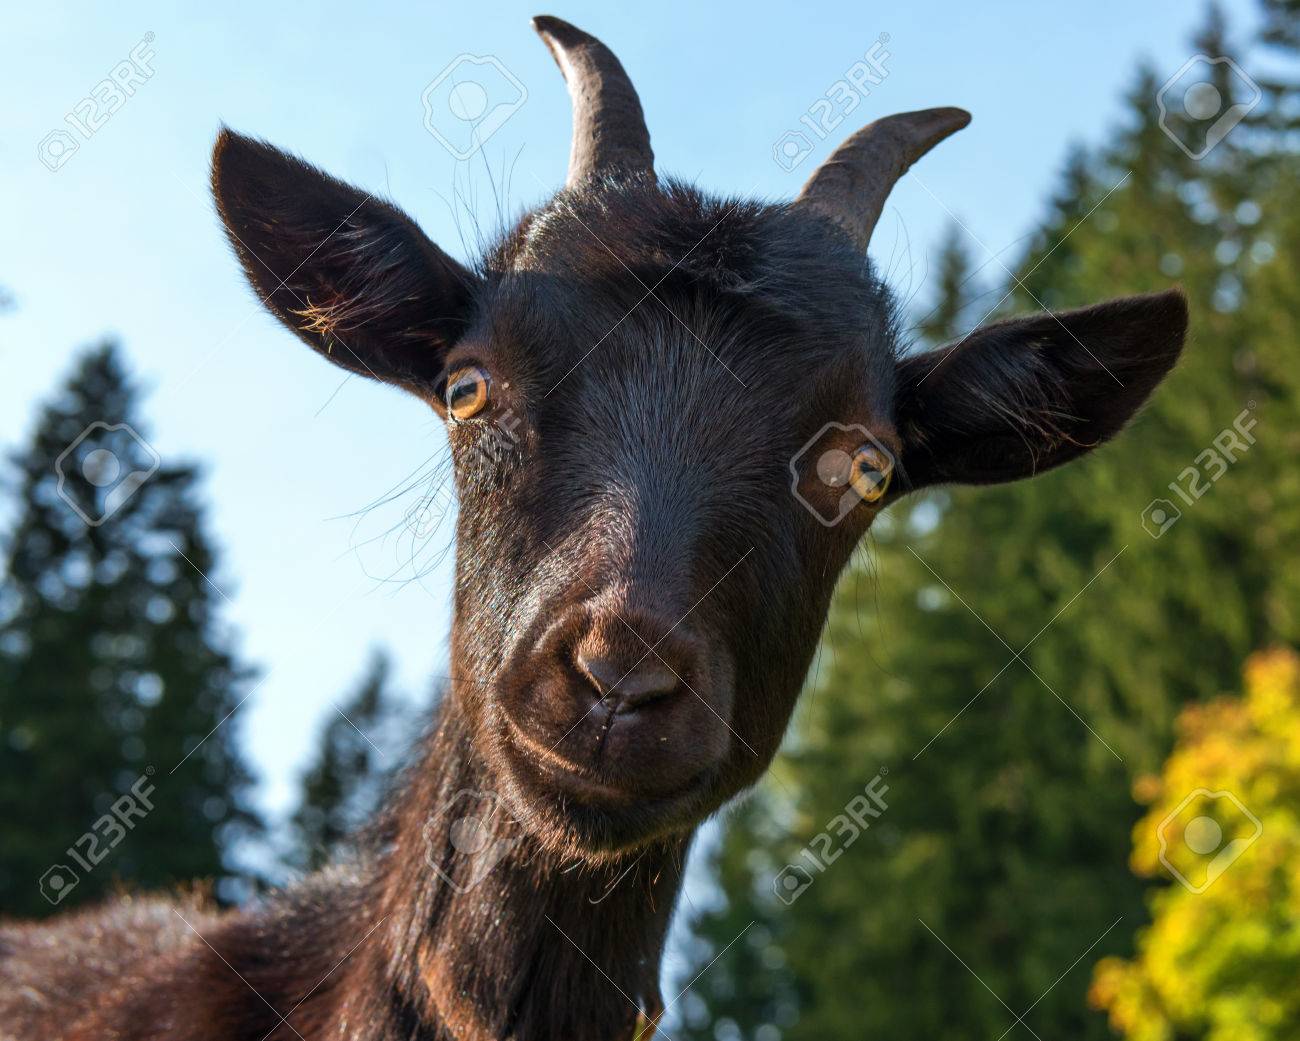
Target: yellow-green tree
(1220,960)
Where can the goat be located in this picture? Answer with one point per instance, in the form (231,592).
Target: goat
(642,574)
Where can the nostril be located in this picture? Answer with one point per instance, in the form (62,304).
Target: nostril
(628,685)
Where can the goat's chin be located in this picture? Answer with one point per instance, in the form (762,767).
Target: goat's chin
(578,817)
(599,834)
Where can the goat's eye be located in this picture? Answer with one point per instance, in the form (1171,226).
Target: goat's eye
(870,472)
(467,392)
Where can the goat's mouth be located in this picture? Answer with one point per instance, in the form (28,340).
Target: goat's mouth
(588,789)
(595,806)
(596,782)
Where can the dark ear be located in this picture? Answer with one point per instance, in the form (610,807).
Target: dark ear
(350,274)
(1018,397)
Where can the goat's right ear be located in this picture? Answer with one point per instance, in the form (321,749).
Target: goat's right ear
(1021,396)
(352,275)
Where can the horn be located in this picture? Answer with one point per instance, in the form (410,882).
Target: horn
(852,185)
(609,131)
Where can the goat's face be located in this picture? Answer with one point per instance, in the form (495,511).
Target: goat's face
(639,591)
(672,419)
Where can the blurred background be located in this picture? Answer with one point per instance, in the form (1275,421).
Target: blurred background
(1070,704)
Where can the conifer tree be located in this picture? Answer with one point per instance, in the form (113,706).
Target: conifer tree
(343,786)
(119,759)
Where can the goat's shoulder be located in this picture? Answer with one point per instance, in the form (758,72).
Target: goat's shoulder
(52,973)
(148,968)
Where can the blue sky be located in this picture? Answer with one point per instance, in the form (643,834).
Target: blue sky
(122,241)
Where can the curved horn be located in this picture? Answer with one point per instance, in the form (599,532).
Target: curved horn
(852,185)
(609,131)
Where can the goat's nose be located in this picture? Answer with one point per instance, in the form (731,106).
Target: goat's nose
(627,684)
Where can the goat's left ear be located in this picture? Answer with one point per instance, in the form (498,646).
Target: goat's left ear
(1022,396)
(351,275)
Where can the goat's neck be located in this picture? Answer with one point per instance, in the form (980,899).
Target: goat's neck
(538,946)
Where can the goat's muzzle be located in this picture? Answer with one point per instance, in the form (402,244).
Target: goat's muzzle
(618,706)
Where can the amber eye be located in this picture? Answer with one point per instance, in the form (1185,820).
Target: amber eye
(467,392)
(870,472)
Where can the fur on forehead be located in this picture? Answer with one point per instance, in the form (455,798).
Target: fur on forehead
(792,274)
